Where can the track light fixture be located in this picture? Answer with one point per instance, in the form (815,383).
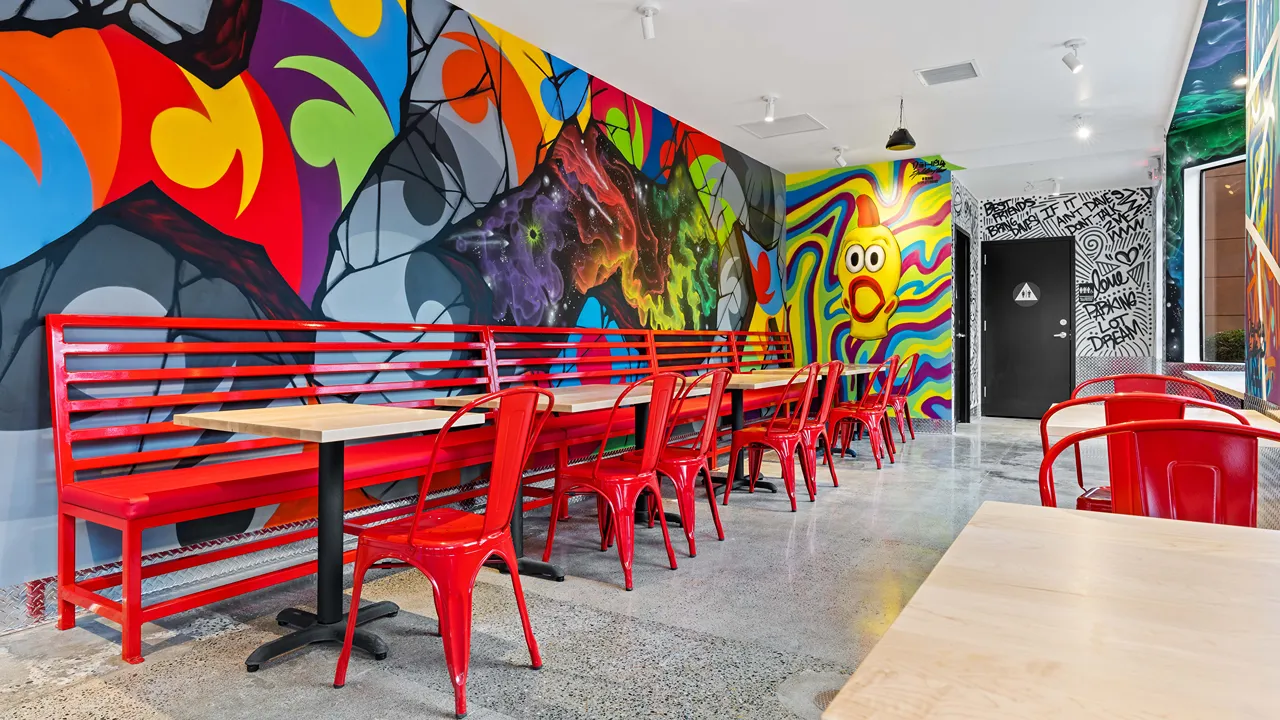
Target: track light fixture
(647,11)
(1057,187)
(840,156)
(1072,59)
(769,102)
(1083,131)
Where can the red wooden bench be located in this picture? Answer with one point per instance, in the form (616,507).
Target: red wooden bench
(116,382)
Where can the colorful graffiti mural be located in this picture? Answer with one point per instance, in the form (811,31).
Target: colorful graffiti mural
(383,160)
(1207,125)
(869,270)
(1262,276)
(1208,89)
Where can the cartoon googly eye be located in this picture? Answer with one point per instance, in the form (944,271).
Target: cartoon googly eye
(853,258)
(875,258)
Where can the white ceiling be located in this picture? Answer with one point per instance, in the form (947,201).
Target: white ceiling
(847,61)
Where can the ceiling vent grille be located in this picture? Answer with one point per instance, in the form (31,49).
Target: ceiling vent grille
(947,74)
(790,125)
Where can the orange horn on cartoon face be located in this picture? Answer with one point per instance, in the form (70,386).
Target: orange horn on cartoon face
(868,213)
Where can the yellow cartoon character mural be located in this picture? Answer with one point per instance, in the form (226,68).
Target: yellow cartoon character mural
(869,270)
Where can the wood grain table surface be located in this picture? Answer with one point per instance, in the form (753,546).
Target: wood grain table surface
(326,422)
(1051,613)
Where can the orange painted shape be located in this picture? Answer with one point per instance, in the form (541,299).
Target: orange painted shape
(75,75)
(17,130)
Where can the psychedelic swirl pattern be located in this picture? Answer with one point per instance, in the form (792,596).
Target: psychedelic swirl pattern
(914,203)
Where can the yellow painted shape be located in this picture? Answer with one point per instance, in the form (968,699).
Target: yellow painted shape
(361,17)
(195,149)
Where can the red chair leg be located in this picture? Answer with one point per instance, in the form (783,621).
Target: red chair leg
(363,561)
(826,450)
(755,457)
(711,495)
(911,428)
(808,469)
(662,517)
(557,497)
(897,416)
(876,449)
(131,596)
(508,554)
(455,631)
(684,477)
(888,436)
(788,474)
(66,570)
(622,506)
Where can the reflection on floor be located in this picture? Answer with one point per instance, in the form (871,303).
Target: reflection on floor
(756,626)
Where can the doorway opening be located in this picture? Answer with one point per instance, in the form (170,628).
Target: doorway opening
(960,327)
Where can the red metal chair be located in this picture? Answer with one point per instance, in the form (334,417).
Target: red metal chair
(683,464)
(871,410)
(1121,408)
(1196,470)
(815,428)
(782,434)
(1141,382)
(898,396)
(618,482)
(450,546)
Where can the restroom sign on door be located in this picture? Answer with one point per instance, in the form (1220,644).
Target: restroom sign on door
(1026,294)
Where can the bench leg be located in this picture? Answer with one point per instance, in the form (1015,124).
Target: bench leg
(131,596)
(66,569)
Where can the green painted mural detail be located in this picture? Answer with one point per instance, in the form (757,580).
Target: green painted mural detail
(1195,145)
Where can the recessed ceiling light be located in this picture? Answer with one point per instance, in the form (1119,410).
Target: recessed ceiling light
(1082,131)
(1241,81)
(1072,59)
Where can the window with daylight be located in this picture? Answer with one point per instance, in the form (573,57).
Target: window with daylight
(1215,247)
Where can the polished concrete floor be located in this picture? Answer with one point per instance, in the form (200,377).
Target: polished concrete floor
(757,626)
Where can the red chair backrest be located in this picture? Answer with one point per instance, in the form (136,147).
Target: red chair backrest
(759,350)
(835,371)
(1181,469)
(903,388)
(716,380)
(663,388)
(517,422)
(1140,382)
(878,399)
(1131,407)
(791,421)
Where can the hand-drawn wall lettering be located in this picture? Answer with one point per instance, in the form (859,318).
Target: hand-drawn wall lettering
(1114,255)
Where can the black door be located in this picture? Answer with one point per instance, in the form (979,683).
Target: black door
(960,326)
(1028,343)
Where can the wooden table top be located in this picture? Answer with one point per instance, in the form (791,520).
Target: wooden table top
(578,398)
(1087,417)
(327,422)
(849,370)
(1051,613)
(1230,382)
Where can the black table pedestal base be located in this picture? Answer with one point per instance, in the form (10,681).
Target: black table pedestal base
(308,630)
(718,480)
(530,568)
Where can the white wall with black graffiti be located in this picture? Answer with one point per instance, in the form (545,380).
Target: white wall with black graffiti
(967,214)
(1115,242)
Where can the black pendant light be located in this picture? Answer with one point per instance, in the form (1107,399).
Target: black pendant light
(900,139)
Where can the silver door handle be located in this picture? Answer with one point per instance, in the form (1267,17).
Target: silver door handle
(960,335)
(1060,335)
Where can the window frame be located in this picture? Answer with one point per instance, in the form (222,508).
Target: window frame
(1193,233)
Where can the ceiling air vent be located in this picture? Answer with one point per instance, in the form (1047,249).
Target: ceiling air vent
(790,125)
(948,74)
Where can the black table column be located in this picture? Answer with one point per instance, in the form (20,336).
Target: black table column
(329,623)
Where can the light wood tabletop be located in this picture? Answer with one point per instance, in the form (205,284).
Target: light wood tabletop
(578,398)
(327,422)
(1087,417)
(849,370)
(1227,381)
(1050,613)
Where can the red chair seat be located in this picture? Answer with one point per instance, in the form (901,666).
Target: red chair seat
(617,468)
(442,528)
(1096,499)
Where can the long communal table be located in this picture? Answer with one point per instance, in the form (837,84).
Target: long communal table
(330,425)
(1051,613)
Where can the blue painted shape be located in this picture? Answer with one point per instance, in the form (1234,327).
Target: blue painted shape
(34,214)
(565,91)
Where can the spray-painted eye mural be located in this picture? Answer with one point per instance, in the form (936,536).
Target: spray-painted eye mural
(385,160)
(869,271)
